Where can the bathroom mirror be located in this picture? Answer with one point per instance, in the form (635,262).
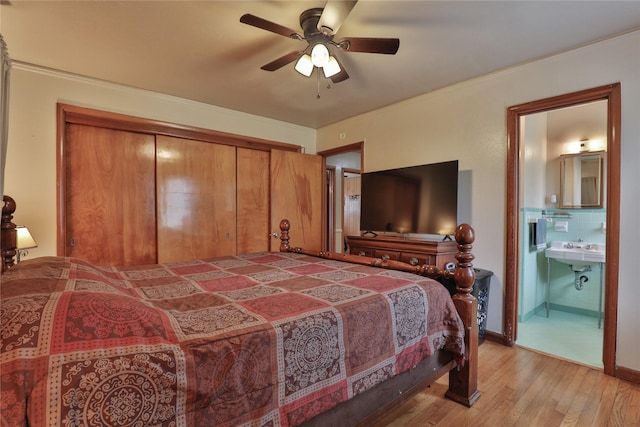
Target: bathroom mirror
(581,180)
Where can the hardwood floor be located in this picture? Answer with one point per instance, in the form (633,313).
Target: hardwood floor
(523,388)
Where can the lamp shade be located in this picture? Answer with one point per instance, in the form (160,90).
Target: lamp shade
(332,68)
(304,65)
(319,55)
(25,240)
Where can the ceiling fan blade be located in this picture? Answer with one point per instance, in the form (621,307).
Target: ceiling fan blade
(370,45)
(282,61)
(333,15)
(258,22)
(342,75)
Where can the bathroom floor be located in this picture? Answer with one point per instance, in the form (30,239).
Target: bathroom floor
(566,335)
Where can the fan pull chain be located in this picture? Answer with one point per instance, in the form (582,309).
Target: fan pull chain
(318,80)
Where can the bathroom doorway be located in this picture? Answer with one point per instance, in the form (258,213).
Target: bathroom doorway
(560,297)
(531,266)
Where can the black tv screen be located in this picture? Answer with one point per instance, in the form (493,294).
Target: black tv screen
(416,199)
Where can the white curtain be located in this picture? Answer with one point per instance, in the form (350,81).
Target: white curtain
(5,66)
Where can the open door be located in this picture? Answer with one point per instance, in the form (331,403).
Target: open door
(297,195)
(351,205)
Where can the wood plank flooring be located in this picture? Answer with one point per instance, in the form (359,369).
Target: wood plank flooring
(523,388)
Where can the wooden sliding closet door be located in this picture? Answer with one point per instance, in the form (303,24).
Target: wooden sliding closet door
(196,190)
(253,200)
(109,196)
(297,195)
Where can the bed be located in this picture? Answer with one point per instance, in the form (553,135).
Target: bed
(274,338)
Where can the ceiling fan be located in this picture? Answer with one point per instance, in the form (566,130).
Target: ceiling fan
(319,26)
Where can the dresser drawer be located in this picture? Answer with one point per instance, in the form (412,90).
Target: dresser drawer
(426,252)
(417,259)
(383,253)
(359,250)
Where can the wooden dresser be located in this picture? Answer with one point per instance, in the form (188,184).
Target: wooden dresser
(412,251)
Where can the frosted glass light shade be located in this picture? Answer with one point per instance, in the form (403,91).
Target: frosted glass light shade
(332,68)
(304,65)
(320,55)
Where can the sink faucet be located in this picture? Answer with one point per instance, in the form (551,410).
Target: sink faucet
(589,246)
(569,245)
(580,240)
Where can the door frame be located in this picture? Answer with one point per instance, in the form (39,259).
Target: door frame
(612,94)
(331,214)
(330,235)
(346,171)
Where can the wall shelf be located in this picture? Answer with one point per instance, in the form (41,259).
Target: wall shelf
(556,215)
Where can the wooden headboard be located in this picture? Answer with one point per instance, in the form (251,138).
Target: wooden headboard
(8,238)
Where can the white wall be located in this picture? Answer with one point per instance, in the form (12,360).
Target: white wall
(533,160)
(30,175)
(467,122)
(533,154)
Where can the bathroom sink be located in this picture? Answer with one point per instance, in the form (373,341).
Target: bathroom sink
(578,254)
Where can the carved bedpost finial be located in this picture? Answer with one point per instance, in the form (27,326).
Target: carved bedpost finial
(9,206)
(8,240)
(464,275)
(463,382)
(285,225)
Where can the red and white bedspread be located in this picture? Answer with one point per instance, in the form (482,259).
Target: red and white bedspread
(263,339)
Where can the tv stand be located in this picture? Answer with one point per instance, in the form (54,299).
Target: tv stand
(412,251)
(374,234)
(447,238)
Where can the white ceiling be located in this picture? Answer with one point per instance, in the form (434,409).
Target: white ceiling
(584,121)
(199,50)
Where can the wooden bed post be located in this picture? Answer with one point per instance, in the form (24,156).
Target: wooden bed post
(463,381)
(285,225)
(7,233)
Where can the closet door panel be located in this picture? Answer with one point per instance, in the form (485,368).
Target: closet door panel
(297,182)
(196,191)
(109,196)
(253,200)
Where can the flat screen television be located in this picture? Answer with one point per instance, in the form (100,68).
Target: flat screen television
(411,200)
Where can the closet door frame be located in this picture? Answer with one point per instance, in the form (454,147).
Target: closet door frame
(71,114)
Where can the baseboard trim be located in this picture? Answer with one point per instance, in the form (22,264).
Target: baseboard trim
(627,374)
(496,337)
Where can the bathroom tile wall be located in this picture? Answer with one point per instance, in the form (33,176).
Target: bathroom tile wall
(533,269)
(585,224)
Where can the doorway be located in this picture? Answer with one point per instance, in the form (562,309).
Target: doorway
(344,163)
(610,94)
(561,169)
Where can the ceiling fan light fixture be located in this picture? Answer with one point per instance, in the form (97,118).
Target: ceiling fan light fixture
(304,65)
(319,26)
(320,55)
(332,68)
